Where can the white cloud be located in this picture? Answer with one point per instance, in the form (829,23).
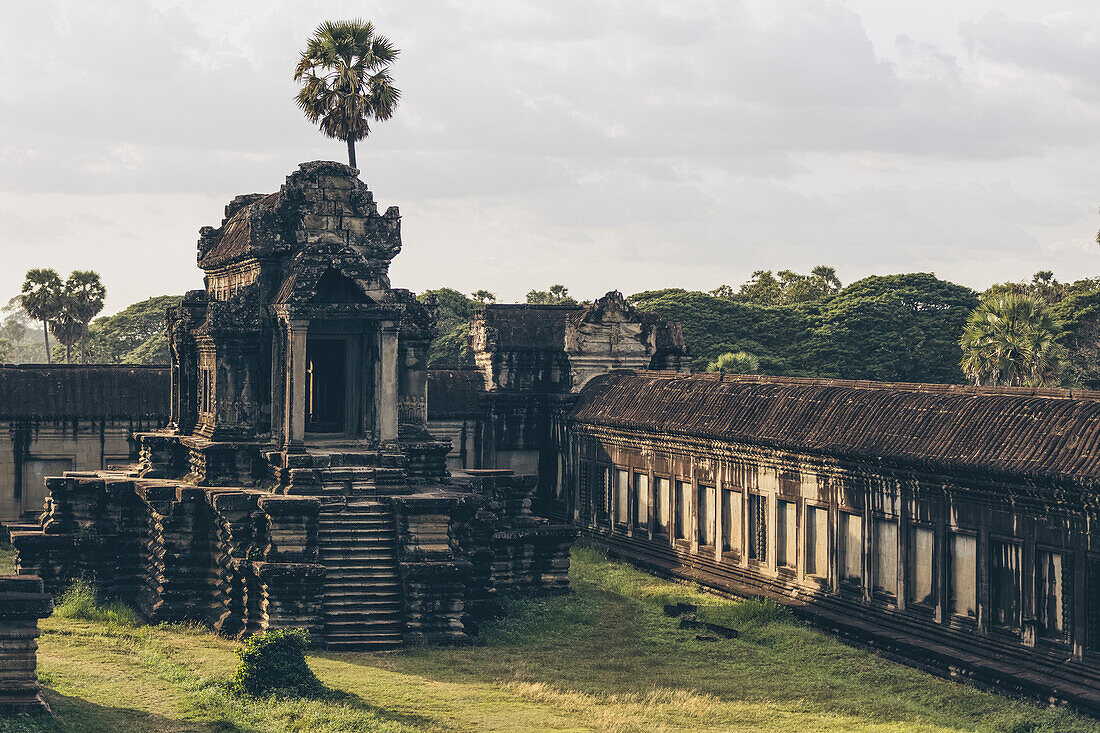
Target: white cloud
(610,144)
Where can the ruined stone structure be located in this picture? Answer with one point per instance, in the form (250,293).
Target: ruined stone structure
(71,417)
(532,361)
(22,603)
(297,484)
(955,527)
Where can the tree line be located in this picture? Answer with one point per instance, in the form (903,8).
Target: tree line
(911,327)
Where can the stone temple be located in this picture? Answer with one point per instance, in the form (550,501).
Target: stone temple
(315,473)
(296,484)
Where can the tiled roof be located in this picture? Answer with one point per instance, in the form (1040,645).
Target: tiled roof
(1019,431)
(90,392)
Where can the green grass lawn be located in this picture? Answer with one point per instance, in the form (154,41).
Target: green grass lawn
(603,659)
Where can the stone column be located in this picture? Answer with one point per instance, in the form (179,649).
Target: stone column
(22,603)
(294,415)
(386,395)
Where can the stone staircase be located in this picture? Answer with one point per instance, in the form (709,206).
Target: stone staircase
(363,602)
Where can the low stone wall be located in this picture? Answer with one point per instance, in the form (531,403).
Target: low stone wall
(239,560)
(22,603)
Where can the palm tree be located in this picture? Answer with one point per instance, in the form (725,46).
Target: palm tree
(735,362)
(82,301)
(1011,339)
(41,299)
(346,80)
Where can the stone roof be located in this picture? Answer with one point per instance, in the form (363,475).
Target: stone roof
(1046,433)
(521,327)
(455,393)
(100,392)
(320,198)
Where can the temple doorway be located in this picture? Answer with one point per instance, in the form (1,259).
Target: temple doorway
(326,385)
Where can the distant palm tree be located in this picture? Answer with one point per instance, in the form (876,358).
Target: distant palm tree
(1011,339)
(82,301)
(735,362)
(41,299)
(346,80)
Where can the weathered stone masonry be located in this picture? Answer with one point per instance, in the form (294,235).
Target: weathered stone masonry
(297,483)
(60,417)
(952,526)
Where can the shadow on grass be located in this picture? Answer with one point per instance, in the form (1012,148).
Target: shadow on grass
(76,715)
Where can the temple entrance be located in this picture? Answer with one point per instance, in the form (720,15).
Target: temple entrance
(326,385)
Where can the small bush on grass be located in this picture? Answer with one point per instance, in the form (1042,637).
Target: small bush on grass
(81,601)
(274,662)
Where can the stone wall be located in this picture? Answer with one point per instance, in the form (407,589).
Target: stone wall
(963,575)
(58,418)
(22,603)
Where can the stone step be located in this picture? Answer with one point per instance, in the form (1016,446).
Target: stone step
(340,555)
(345,593)
(362,540)
(389,624)
(379,644)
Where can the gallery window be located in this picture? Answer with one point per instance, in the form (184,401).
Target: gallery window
(664,504)
(683,509)
(1005,583)
(786,534)
(641,501)
(817,541)
(885,548)
(850,544)
(706,515)
(602,492)
(731,520)
(963,580)
(1052,599)
(622,479)
(921,566)
(758,527)
(584,506)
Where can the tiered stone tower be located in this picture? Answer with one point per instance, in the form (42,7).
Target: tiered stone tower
(297,484)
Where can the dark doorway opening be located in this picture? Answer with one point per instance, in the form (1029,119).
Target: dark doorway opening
(326,385)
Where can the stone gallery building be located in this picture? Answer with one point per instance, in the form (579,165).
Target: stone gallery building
(531,362)
(296,484)
(952,526)
(62,417)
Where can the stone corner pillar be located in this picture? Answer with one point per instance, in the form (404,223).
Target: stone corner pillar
(294,411)
(386,392)
(22,603)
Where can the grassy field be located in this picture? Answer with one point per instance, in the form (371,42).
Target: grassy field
(603,659)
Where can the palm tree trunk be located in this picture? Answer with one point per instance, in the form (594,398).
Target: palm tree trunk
(46,333)
(351,152)
(83,342)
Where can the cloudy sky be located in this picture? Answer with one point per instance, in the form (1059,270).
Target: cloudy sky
(596,143)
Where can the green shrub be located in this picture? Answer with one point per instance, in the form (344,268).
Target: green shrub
(274,662)
(81,601)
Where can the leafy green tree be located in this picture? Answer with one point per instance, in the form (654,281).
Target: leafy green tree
(1079,313)
(762,289)
(484,296)
(134,335)
(556,295)
(1011,339)
(724,291)
(41,299)
(81,301)
(898,328)
(735,362)
(345,76)
(451,347)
